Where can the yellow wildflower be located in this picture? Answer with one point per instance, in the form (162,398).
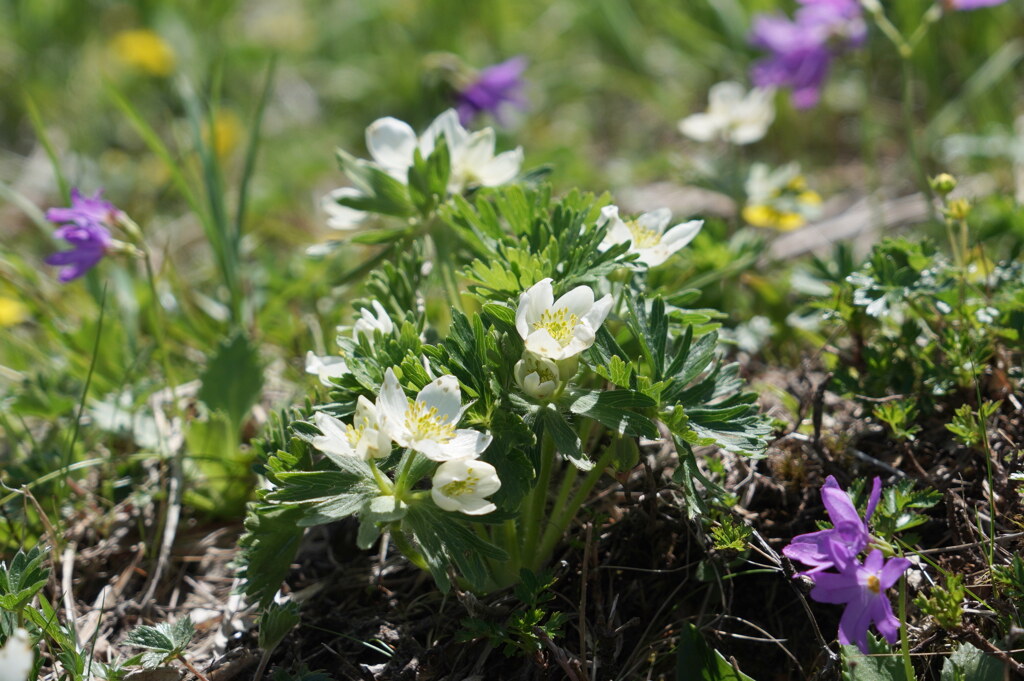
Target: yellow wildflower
(145,50)
(12,311)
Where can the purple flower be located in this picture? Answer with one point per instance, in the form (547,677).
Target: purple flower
(862,588)
(801,49)
(849,535)
(493,87)
(972,4)
(84,227)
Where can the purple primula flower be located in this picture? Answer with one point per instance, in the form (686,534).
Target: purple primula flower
(862,588)
(493,87)
(85,228)
(802,48)
(836,547)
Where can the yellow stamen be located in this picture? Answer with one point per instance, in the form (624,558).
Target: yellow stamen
(874,585)
(457,488)
(559,323)
(643,237)
(425,423)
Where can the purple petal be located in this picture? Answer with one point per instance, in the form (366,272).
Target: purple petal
(876,494)
(892,571)
(853,625)
(873,562)
(885,621)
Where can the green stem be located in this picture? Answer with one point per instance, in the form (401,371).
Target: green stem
(383,483)
(408,550)
(908,667)
(402,481)
(560,523)
(539,495)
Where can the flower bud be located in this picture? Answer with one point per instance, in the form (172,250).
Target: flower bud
(537,377)
(943,183)
(958,209)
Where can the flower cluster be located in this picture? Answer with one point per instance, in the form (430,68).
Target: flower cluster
(86,227)
(779,199)
(393,145)
(860,586)
(647,235)
(801,49)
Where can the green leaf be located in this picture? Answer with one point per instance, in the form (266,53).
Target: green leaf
(967,663)
(275,622)
(697,661)
(381,193)
(880,665)
(268,546)
(233,379)
(566,441)
(612,409)
(23,579)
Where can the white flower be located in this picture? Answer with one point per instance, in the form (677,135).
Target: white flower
(16,657)
(393,143)
(536,376)
(462,484)
(342,217)
(428,423)
(733,115)
(647,235)
(368,322)
(363,439)
(325,368)
(559,329)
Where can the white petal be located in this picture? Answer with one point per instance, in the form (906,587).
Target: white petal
(384,322)
(609,214)
(725,96)
(577,301)
(342,217)
(478,150)
(392,404)
(16,657)
(541,343)
(365,411)
(700,127)
(532,304)
(446,124)
(599,312)
(467,444)
(656,220)
(682,234)
(501,169)
(748,132)
(430,449)
(476,506)
(444,395)
(391,143)
(334,441)
(443,502)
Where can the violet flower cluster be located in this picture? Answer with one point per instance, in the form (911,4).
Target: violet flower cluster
(493,87)
(85,226)
(801,49)
(860,586)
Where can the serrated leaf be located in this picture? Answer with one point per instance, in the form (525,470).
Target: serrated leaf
(275,622)
(232,379)
(877,666)
(566,441)
(968,663)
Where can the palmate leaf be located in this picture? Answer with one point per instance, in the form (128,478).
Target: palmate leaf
(163,642)
(445,540)
(22,579)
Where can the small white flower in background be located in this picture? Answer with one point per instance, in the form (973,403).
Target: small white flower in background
(733,115)
(325,368)
(393,143)
(369,322)
(428,424)
(536,376)
(342,217)
(363,439)
(560,329)
(647,235)
(17,656)
(462,484)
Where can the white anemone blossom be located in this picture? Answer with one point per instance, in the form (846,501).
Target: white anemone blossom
(462,484)
(392,144)
(369,322)
(733,115)
(647,235)
(536,376)
(560,329)
(16,656)
(428,423)
(325,368)
(363,439)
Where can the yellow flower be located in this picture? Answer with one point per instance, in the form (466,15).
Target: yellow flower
(772,218)
(227,133)
(12,312)
(146,50)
